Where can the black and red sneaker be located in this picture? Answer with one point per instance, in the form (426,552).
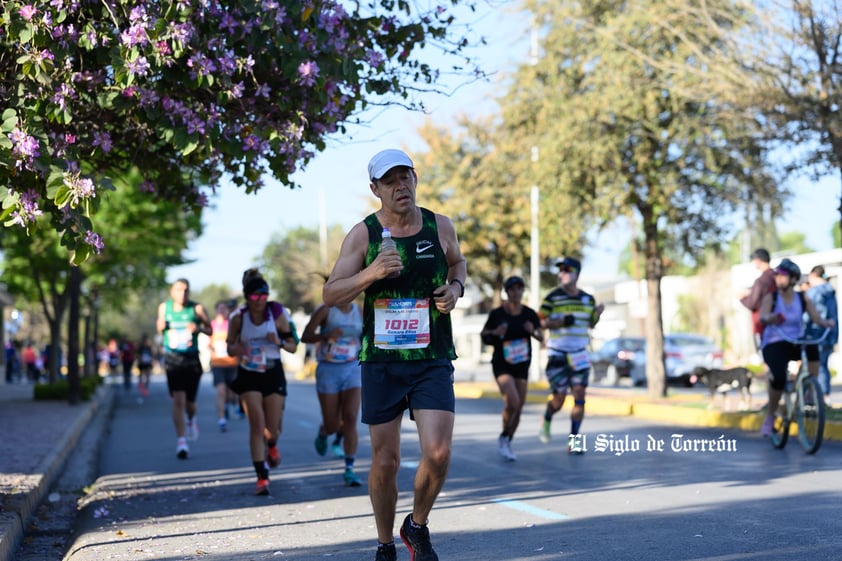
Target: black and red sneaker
(417,541)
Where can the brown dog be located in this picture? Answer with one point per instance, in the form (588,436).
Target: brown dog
(722,381)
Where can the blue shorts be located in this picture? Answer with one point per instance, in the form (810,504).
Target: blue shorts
(388,388)
(336,377)
(561,375)
(223,374)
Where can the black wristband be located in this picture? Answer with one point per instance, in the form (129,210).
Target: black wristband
(285,335)
(461,286)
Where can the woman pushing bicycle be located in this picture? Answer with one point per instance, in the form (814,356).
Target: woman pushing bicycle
(785,308)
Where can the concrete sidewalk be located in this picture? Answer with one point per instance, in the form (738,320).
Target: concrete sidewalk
(37,439)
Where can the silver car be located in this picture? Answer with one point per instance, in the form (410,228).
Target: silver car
(685,351)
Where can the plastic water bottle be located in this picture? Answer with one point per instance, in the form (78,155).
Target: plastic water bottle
(389,244)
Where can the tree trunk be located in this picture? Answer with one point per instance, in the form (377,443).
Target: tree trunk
(74,287)
(655,369)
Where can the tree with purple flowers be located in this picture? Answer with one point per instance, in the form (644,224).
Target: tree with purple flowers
(189,91)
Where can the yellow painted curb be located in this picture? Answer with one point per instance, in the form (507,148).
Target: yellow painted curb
(668,413)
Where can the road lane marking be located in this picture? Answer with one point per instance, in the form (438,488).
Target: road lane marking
(524,507)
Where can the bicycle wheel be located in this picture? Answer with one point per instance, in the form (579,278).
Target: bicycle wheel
(780,428)
(809,413)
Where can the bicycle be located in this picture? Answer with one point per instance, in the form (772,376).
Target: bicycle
(803,400)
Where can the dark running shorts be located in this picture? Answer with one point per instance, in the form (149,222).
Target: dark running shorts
(518,371)
(184,371)
(267,383)
(388,388)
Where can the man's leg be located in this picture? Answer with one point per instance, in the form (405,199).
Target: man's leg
(179,409)
(578,411)
(435,432)
(383,476)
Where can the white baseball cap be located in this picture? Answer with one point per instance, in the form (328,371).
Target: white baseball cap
(383,161)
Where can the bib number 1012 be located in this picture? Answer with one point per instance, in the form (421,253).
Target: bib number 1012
(401,324)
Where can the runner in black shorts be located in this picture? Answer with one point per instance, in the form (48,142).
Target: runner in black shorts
(180,320)
(509,329)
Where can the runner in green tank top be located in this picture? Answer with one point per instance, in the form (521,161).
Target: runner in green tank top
(180,320)
(407,347)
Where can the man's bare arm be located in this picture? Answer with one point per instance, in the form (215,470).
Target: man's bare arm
(350,277)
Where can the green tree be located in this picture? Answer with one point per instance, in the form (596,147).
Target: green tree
(147,238)
(190,91)
(637,108)
(296,265)
(800,63)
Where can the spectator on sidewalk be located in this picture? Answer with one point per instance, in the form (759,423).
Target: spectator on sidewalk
(763,285)
(824,299)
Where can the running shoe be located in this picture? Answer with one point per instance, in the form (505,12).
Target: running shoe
(181,449)
(417,541)
(223,425)
(574,445)
(544,434)
(338,450)
(386,552)
(273,457)
(321,444)
(262,487)
(351,479)
(504,448)
(192,429)
(768,424)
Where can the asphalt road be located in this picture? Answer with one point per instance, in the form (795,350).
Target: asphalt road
(626,501)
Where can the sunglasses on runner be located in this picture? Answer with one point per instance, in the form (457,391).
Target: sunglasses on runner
(258,297)
(567,270)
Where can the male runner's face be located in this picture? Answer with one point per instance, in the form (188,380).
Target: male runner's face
(396,189)
(179,292)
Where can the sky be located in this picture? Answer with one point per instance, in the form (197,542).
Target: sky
(335,184)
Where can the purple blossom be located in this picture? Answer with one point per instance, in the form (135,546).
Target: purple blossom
(138,67)
(134,35)
(227,63)
(103,140)
(81,189)
(228,23)
(25,148)
(28,12)
(236,90)
(374,58)
(61,96)
(308,71)
(263,91)
(28,209)
(94,240)
(138,14)
(147,186)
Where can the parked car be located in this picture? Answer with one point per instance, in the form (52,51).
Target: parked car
(685,351)
(622,357)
